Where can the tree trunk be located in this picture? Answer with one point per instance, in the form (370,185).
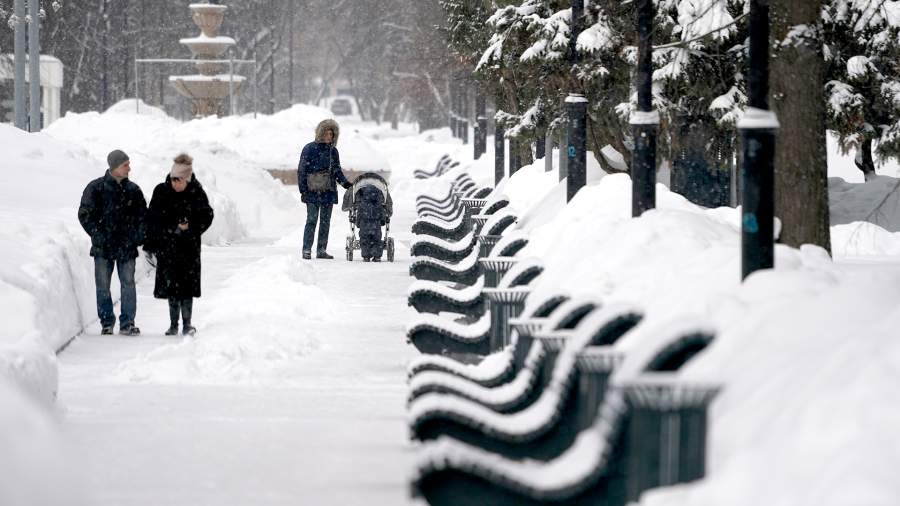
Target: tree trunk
(797,96)
(864,160)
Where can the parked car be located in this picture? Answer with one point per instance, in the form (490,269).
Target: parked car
(341,107)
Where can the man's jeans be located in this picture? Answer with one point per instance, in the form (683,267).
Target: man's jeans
(322,214)
(103,268)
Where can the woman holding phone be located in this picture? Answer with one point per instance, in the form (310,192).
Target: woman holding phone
(179,213)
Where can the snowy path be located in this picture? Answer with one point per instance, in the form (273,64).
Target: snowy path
(321,421)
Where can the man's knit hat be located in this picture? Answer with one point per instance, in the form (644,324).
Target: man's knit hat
(115,158)
(183,167)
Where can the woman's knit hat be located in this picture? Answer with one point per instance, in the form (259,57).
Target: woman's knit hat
(183,167)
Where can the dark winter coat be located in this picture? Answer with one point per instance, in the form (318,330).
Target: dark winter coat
(177,252)
(113,214)
(320,156)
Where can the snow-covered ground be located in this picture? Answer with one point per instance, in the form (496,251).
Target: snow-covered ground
(295,387)
(294,390)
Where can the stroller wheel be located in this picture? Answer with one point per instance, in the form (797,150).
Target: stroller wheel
(390,249)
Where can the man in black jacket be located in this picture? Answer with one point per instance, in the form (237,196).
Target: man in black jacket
(112,212)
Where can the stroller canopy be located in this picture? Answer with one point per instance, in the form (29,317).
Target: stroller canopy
(367,179)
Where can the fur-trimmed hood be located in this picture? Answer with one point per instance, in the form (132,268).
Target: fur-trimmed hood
(325,125)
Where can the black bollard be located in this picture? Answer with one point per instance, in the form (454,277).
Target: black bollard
(645,122)
(758,127)
(453,122)
(499,153)
(480,125)
(513,156)
(576,150)
(576,107)
(464,112)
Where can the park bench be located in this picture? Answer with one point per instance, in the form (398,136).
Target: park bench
(530,428)
(493,228)
(437,374)
(447,209)
(439,168)
(454,252)
(491,370)
(453,226)
(445,251)
(471,268)
(463,186)
(467,270)
(649,431)
(525,373)
(434,297)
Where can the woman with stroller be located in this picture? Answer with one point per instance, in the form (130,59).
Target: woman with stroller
(317,174)
(179,213)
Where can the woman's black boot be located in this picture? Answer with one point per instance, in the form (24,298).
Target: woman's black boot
(187,309)
(174,310)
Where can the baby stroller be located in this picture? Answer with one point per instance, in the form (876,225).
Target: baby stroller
(369,205)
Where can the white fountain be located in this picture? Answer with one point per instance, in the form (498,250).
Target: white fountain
(208,89)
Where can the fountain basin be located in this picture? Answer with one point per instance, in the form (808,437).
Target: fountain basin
(204,46)
(199,86)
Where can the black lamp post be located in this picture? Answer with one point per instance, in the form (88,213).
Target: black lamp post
(464,111)
(758,127)
(499,147)
(454,129)
(480,143)
(645,122)
(576,105)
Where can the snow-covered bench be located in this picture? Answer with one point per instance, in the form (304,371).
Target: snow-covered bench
(435,297)
(446,199)
(620,455)
(449,210)
(467,270)
(449,225)
(493,228)
(493,369)
(542,424)
(445,251)
(461,184)
(456,251)
(519,363)
(463,341)
(447,229)
(439,168)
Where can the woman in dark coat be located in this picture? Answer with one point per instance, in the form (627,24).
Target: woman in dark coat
(179,213)
(318,173)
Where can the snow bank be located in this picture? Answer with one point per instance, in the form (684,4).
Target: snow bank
(875,201)
(807,353)
(275,141)
(865,217)
(35,466)
(45,270)
(242,342)
(30,365)
(801,351)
